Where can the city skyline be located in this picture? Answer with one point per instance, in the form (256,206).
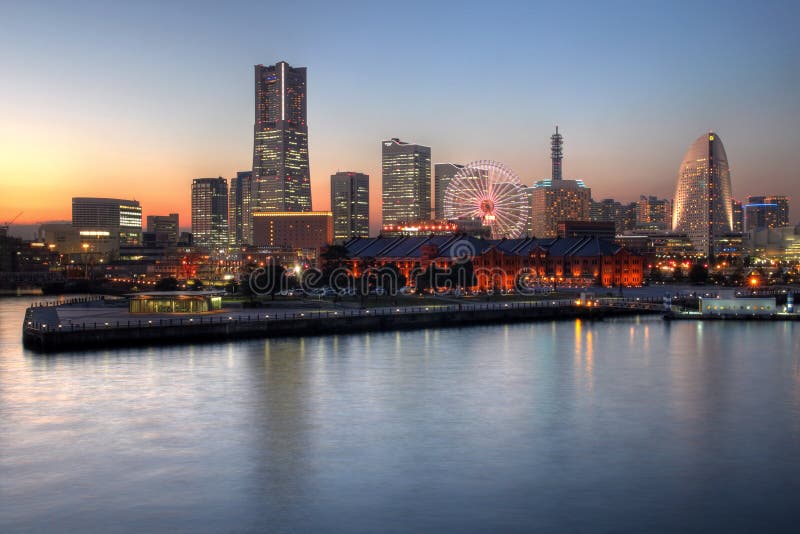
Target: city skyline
(165,136)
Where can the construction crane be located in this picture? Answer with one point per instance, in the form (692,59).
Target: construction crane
(6,225)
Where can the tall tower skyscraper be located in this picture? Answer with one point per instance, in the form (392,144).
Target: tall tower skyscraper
(280,139)
(406,182)
(240,209)
(442,174)
(556,154)
(210,213)
(702,208)
(350,205)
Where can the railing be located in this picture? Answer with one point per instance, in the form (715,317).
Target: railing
(218,319)
(262,318)
(73,300)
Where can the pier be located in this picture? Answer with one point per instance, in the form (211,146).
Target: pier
(97,323)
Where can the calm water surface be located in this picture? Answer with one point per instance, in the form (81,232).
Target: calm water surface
(625,426)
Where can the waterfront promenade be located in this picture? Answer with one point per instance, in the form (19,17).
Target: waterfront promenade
(96,322)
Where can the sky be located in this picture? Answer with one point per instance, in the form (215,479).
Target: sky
(135,99)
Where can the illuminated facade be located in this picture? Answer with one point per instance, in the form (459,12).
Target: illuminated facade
(406,179)
(350,205)
(280,139)
(309,230)
(702,207)
(120,218)
(442,174)
(766,212)
(556,201)
(210,213)
(240,209)
(653,213)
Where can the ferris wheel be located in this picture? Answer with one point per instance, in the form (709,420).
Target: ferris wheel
(490,191)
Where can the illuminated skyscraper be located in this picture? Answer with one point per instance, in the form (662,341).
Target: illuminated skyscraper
(240,209)
(350,205)
(738,216)
(442,174)
(406,182)
(210,213)
(653,213)
(280,144)
(702,207)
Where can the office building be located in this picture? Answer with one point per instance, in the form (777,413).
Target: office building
(555,201)
(766,212)
(406,181)
(165,228)
(702,208)
(350,205)
(307,231)
(442,174)
(653,213)
(280,139)
(118,218)
(210,213)
(240,209)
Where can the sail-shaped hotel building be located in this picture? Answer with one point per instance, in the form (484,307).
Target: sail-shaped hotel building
(702,208)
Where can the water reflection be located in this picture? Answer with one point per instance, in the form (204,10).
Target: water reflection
(566,426)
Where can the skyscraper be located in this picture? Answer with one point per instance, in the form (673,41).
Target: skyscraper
(210,213)
(240,209)
(406,182)
(350,205)
(442,174)
(121,219)
(702,207)
(280,139)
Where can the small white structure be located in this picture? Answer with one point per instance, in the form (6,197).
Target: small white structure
(727,303)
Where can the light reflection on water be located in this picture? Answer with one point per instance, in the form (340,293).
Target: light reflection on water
(628,425)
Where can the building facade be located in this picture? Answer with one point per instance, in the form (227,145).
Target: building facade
(501,264)
(653,213)
(280,139)
(122,219)
(307,231)
(240,209)
(766,212)
(210,213)
(350,205)
(165,228)
(702,207)
(738,216)
(442,174)
(555,201)
(406,179)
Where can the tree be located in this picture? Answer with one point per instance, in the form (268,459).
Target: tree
(169,283)
(390,278)
(462,274)
(698,274)
(677,274)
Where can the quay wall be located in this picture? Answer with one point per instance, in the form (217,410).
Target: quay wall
(49,338)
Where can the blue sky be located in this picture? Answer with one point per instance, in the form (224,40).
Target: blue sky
(140,98)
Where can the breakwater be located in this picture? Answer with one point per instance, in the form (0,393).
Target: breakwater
(44,331)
